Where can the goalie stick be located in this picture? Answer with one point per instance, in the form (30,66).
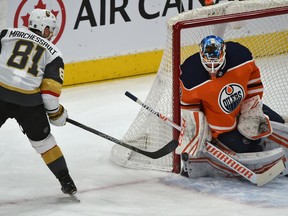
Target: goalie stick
(168,148)
(258,179)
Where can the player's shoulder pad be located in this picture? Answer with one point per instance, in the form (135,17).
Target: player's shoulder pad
(192,72)
(52,69)
(55,64)
(58,61)
(237,54)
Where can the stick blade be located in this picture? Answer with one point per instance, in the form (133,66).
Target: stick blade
(168,148)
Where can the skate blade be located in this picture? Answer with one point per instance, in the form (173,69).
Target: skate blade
(74,198)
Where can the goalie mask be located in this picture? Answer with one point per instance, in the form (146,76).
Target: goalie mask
(39,19)
(212,54)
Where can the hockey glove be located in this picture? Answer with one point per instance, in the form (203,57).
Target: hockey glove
(58,118)
(253,123)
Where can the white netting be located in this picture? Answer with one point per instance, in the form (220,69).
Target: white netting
(267,38)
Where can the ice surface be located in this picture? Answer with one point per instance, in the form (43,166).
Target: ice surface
(29,189)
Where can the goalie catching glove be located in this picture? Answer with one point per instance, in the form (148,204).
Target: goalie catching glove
(253,123)
(59,117)
(194,134)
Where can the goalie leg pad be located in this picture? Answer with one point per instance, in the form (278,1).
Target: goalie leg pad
(194,134)
(44,145)
(206,165)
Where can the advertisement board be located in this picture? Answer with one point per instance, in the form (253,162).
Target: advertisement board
(103,39)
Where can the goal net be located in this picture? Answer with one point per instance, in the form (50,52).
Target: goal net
(260,25)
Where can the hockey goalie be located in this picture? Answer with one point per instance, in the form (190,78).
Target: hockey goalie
(221,105)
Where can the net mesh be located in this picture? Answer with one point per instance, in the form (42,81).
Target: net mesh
(267,39)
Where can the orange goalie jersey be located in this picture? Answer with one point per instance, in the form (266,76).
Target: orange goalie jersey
(220,98)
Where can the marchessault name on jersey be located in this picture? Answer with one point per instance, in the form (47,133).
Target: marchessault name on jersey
(35,38)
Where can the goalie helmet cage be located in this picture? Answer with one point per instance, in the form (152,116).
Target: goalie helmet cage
(260,25)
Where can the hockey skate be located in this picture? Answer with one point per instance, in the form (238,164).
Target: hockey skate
(67,185)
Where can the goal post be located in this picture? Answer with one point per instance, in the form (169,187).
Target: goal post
(260,25)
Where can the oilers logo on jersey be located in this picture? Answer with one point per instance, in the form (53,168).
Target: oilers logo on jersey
(230,97)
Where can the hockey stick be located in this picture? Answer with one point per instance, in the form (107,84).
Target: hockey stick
(259,179)
(168,148)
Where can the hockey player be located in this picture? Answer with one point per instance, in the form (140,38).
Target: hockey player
(31,77)
(221,99)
